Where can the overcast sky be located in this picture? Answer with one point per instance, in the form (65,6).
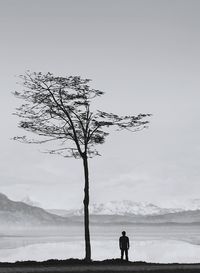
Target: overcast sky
(146,56)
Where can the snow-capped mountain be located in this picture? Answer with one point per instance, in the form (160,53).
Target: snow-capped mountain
(13,213)
(125,207)
(30,202)
(192,204)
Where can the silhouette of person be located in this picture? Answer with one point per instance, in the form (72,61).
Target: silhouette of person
(124,245)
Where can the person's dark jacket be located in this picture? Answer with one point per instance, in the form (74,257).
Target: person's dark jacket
(124,242)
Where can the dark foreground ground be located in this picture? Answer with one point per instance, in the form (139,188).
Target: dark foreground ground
(108,266)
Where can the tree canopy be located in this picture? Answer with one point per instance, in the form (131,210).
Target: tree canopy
(58,109)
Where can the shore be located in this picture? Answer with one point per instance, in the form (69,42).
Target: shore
(110,266)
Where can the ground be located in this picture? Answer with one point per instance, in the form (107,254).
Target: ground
(110,266)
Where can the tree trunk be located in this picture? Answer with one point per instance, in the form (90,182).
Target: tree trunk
(86,210)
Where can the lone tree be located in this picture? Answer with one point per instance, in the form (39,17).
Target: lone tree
(59,109)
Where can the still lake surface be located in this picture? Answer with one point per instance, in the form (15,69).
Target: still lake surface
(150,243)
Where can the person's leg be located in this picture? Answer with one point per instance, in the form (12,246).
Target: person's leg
(126,253)
(122,254)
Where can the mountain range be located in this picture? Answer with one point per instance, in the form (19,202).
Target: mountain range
(22,214)
(130,212)
(125,207)
(15,213)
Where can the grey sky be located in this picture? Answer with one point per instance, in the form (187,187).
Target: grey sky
(145,55)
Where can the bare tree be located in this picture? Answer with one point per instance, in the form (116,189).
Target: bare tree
(59,109)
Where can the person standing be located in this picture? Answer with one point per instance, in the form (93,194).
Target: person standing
(124,245)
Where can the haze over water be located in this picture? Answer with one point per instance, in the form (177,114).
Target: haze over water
(164,244)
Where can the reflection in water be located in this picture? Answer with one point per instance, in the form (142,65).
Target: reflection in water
(149,251)
(148,243)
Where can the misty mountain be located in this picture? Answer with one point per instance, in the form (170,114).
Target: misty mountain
(19,213)
(190,216)
(193,204)
(125,207)
(62,212)
(183,217)
(27,200)
(132,213)
(123,213)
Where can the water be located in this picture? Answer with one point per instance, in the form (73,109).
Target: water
(166,244)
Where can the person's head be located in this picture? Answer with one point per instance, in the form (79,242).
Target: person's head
(123,233)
